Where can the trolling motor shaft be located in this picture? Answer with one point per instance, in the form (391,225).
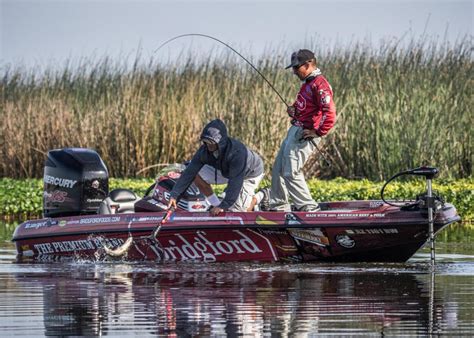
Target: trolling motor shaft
(430,204)
(428,201)
(429,173)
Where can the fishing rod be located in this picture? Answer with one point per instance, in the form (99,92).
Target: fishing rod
(228,46)
(250,64)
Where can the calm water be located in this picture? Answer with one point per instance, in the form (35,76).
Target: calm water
(117,299)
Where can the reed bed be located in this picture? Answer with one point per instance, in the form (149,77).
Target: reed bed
(398,107)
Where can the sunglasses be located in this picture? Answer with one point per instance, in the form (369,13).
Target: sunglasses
(299,66)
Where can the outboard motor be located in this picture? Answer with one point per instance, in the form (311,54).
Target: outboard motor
(76,181)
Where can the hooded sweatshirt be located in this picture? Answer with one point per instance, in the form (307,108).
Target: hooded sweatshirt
(235,161)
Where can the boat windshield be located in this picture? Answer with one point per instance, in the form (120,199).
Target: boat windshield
(173,170)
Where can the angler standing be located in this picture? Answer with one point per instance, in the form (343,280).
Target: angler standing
(222,159)
(313,114)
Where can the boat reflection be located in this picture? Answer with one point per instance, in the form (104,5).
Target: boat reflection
(184,300)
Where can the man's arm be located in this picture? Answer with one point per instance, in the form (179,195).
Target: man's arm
(187,176)
(324,98)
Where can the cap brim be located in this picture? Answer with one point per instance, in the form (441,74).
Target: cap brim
(294,65)
(208,140)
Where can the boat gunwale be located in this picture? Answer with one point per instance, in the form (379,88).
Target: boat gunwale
(171,227)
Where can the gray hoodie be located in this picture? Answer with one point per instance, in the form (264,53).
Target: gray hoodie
(234,160)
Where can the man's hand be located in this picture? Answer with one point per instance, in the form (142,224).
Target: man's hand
(291,110)
(215,211)
(309,134)
(172,203)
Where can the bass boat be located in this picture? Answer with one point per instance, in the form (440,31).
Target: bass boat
(83,220)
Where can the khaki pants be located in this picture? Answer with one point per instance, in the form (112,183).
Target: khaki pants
(288,182)
(249,186)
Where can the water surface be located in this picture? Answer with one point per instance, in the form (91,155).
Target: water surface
(129,299)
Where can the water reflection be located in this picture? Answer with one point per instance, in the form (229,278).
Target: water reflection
(234,300)
(113,298)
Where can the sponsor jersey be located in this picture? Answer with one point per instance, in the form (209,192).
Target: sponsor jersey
(315,108)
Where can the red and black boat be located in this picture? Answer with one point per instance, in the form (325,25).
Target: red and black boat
(83,220)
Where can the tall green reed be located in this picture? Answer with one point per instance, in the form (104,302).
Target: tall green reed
(398,107)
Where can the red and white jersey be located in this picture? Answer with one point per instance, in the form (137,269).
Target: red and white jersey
(315,108)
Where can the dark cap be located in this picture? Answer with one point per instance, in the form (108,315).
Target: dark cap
(300,57)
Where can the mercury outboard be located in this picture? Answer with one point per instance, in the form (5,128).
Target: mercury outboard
(76,181)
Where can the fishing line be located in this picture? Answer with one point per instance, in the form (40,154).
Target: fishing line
(225,44)
(250,64)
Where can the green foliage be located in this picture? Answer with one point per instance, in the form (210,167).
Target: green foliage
(138,185)
(458,192)
(24,197)
(21,197)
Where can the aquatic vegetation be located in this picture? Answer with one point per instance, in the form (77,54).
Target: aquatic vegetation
(399,107)
(24,197)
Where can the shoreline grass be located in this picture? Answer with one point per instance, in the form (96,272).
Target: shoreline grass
(398,108)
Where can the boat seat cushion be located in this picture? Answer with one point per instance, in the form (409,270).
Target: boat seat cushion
(122,195)
(119,201)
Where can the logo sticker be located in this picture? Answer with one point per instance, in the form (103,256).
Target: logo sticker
(174,175)
(95,184)
(57,196)
(300,102)
(59,181)
(345,241)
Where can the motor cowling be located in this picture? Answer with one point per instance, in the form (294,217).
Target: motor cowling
(76,181)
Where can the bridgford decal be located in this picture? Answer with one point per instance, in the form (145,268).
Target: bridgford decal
(60,182)
(200,247)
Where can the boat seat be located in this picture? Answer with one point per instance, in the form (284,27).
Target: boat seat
(118,201)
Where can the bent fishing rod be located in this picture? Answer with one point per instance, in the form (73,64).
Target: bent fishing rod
(250,64)
(232,49)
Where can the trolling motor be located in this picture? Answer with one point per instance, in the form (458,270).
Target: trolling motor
(427,201)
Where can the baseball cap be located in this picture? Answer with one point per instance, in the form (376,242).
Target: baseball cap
(300,57)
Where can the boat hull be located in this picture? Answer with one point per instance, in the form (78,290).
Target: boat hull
(365,231)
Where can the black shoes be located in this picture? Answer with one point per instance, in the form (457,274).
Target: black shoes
(264,204)
(309,208)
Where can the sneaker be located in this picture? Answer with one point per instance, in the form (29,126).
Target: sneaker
(310,208)
(264,204)
(280,208)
